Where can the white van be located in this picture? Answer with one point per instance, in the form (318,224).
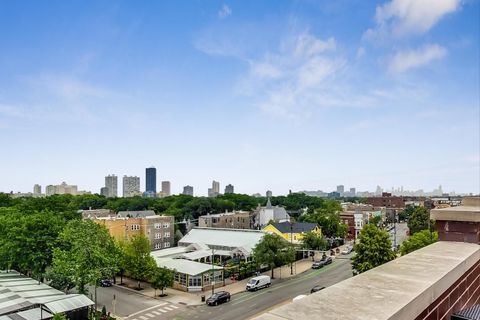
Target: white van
(258,283)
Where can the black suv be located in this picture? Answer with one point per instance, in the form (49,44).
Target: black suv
(319,264)
(316,288)
(218,297)
(105,283)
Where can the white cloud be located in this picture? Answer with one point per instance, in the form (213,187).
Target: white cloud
(404,17)
(224,12)
(409,59)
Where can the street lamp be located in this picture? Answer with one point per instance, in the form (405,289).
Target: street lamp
(291,244)
(213,274)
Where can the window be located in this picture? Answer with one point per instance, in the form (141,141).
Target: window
(166,225)
(181,278)
(158,236)
(158,225)
(166,235)
(135,227)
(158,246)
(166,245)
(195,281)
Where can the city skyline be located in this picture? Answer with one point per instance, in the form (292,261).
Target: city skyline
(299,95)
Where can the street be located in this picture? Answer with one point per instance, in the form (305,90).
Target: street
(245,305)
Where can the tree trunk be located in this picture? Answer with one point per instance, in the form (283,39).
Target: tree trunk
(138,281)
(272,272)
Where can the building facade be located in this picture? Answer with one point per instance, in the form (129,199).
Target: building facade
(111,182)
(37,189)
(159,230)
(188,191)
(151,180)
(231,220)
(166,188)
(387,201)
(62,188)
(292,232)
(229,189)
(131,186)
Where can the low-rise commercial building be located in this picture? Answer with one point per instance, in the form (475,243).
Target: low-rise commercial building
(292,232)
(231,220)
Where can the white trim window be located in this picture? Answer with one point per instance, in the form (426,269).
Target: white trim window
(166,245)
(157,225)
(166,235)
(135,227)
(166,225)
(158,246)
(158,236)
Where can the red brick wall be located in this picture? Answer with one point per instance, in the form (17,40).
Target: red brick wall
(461,231)
(464,293)
(389,202)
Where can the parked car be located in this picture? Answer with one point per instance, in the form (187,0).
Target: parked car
(316,288)
(218,297)
(326,261)
(317,265)
(106,283)
(347,250)
(258,283)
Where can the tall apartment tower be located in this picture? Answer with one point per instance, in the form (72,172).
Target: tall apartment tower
(188,191)
(341,189)
(131,185)
(37,189)
(151,180)
(111,182)
(229,188)
(268,194)
(216,187)
(166,188)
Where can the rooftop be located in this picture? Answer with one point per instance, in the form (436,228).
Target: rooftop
(135,214)
(400,289)
(191,268)
(296,227)
(468,211)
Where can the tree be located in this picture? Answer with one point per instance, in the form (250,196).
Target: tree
(87,253)
(59,316)
(60,281)
(406,213)
(138,261)
(376,220)
(313,241)
(419,220)
(273,251)
(373,249)
(329,219)
(162,278)
(418,240)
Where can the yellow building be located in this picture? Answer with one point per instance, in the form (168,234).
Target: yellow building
(292,232)
(159,230)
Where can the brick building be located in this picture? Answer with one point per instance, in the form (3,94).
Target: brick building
(231,220)
(388,201)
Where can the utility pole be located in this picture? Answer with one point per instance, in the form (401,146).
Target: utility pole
(291,244)
(394,230)
(213,274)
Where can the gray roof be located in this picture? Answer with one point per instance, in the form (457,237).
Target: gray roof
(18,293)
(472,313)
(296,227)
(191,268)
(135,214)
(231,238)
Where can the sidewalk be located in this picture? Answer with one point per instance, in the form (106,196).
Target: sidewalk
(194,298)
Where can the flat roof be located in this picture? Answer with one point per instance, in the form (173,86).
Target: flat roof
(397,290)
(191,268)
(232,238)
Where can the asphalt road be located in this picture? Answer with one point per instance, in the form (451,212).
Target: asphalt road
(131,305)
(245,305)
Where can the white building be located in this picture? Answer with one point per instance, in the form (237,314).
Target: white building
(166,188)
(131,185)
(37,189)
(188,190)
(62,188)
(263,215)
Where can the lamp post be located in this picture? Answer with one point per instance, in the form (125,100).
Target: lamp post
(213,274)
(291,244)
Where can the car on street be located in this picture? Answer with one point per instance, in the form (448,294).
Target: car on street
(347,250)
(317,265)
(106,283)
(316,288)
(323,262)
(258,282)
(218,298)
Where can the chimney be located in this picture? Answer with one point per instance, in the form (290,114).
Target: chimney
(461,224)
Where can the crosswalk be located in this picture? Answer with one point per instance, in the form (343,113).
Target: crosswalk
(153,313)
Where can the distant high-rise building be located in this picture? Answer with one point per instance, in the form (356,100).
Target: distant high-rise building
(378,191)
(37,189)
(131,185)
(229,189)
(188,190)
(63,188)
(151,180)
(215,189)
(166,188)
(353,191)
(111,182)
(49,190)
(104,191)
(269,194)
(340,189)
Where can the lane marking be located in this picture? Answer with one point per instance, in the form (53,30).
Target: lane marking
(142,311)
(150,315)
(143,318)
(169,309)
(161,310)
(174,306)
(156,312)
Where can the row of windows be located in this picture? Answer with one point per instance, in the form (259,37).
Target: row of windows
(159,225)
(159,245)
(159,235)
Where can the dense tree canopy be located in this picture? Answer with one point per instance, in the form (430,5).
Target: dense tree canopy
(373,248)
(418,240)
(313,241)
(419,220)
(328,217)
(138,261)
(162,278)
(273,251)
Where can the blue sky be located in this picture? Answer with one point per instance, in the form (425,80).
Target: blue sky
(278,95)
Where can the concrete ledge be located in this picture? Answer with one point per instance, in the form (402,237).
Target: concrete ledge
(468,211)
(398,290)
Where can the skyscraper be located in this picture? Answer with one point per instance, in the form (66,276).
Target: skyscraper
(131,185)
(215,189)
(341,189)
(188,190)
(111,182)
(353,191)
(151,180)
(165,188)
(104,191)
(229,188)
(269,194)
(37,189)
